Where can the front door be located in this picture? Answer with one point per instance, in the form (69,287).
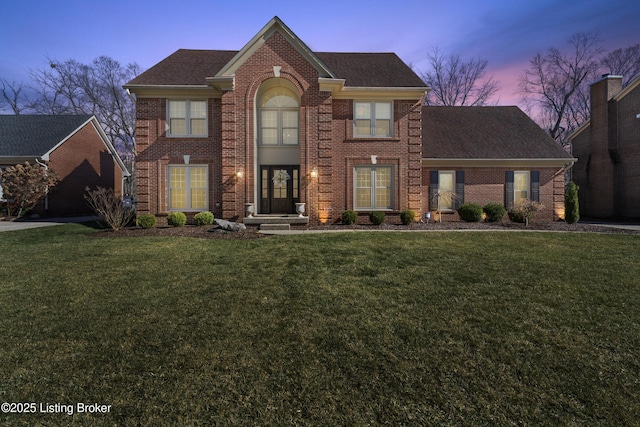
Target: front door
(280,189)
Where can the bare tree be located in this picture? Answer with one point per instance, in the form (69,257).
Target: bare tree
(71,87)
(552,84)
(456,82)
(623,62)
(13,96)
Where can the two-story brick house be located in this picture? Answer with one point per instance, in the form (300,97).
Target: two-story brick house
(608,151)
(275,124)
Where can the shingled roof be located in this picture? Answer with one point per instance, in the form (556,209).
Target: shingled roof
(35,135)
(485,133)
(192,67)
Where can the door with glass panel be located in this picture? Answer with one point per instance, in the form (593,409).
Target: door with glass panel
(279,188)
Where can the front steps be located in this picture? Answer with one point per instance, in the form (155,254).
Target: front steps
(275,227)
(260,220)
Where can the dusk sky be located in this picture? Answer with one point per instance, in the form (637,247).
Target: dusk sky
(508,33)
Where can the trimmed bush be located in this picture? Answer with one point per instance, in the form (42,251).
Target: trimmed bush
(571,204)
(176,219)
(524,211)
(376,217)
(516,215)
(470,212)
(203,218)
(146,221)
(349,217)
(407,217)
(494,212)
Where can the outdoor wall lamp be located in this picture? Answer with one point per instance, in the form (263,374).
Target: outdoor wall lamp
(314,173)
(186,158)
(240,173)
(374,159)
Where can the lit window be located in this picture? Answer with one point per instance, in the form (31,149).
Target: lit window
(188,188)
(279,117)
(520,186)
(373,119)
(373,187)
(446,190)
(187,118)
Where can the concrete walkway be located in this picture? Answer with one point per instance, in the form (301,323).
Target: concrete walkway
(622,225)
(44,222)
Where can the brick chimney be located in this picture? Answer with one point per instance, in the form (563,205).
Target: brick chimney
(605,184)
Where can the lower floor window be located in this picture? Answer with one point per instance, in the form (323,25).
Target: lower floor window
(446,190)
(188,188)
(520,186)
(373,187)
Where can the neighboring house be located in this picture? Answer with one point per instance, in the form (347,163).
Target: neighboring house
(74,146)
(490,154)
(275,124)
(608,151)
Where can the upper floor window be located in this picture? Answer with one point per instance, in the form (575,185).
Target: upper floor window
(373,119)
(187,118)
(279,117)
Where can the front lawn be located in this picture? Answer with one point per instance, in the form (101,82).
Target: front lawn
(443,328)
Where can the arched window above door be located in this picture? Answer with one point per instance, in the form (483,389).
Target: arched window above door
(279,117)
(279,97)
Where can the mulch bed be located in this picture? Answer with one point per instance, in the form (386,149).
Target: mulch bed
(215,232)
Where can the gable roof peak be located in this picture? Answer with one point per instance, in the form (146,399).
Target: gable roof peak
(274,25)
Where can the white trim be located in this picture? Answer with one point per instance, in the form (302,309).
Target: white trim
(105,140)
(273,26)
(509,163)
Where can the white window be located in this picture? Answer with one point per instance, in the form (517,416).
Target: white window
(373,187)
(446,189)
(187,118)
(520,186)
(279,117)
(372,119)
(188,188)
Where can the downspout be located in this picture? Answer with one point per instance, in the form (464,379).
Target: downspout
(46,191)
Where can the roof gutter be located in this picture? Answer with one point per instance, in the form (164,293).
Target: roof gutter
(46,190)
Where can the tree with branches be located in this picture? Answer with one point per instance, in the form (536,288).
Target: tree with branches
(454,81)
(553,79)
(24,185)
(12,96)
(71,87)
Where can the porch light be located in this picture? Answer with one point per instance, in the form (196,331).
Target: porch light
(186,158)
(240,173)
(314,173)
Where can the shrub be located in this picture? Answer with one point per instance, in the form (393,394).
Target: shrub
(571,204)
(407,217)
(516,215)
(23,185)
(349,217)
(203,218)
(494,212)
(109,207)
(376,217)
(176,219)
(470,212)
(146,221)
(524,210)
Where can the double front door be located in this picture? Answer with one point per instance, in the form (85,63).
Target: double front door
(279,189)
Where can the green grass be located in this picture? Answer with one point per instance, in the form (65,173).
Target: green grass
(472,328)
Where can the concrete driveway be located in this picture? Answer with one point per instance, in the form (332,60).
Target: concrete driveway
(48,222)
